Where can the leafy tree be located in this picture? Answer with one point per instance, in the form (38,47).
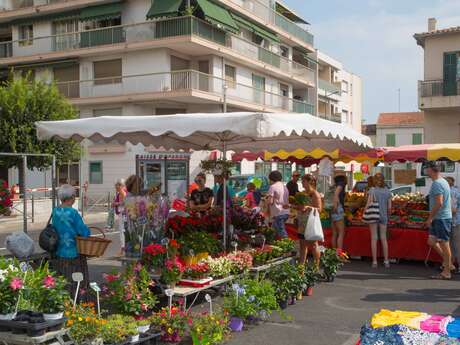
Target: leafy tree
(22,103)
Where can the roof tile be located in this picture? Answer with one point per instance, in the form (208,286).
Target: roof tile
(406,118)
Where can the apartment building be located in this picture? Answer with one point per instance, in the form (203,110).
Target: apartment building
(143,57)
(339,92)
(439,91)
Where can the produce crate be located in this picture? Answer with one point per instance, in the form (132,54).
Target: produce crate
(31,329)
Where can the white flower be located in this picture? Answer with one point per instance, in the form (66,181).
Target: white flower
(2,275)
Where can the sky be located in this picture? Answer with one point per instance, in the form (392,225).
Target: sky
(374,39)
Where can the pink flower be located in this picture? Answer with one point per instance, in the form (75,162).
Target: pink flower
(49,282)
(138,267)
(144,307)
(16,283)
(110,277)
(128,296)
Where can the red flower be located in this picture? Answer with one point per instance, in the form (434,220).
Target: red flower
(49,282)
(110,277)
(173,243)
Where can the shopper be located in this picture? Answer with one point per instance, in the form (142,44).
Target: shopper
(439,221)
(219,191)
(252,197)
(309,184)
(201,198)
(117,204)
(278,201)
(293,184)
(338,212)
(379,194)
(455,236)
(69,224)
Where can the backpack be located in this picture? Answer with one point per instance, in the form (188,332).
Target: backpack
(48,239)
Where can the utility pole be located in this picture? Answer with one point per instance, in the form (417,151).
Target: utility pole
(399,100)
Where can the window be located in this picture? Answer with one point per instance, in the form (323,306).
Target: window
(286,170)
(107,112)
(107,72)
(230,76)
(95,172)
(263,169)
(391,140)
(416,138)
(284,51)
(446,167)
(102,23)
(345,116)
(345,87)
(26,34)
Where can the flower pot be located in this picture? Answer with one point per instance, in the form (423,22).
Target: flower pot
(263,315)
(201,256)
(299,296)
(330,278)
(53,316)
(134,338)
(236,324)
(143,329)
(7,317)
(310,291)
(292,300)
(283,304)
(171,285)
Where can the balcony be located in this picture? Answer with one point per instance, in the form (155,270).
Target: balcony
(187,86)
(327,89)
(155,31)
(9,6)
(269,16)
(437,95)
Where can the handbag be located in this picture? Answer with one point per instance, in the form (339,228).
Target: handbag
(371,214)
(314,229)
(48,239)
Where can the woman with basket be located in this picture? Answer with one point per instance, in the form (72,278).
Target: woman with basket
(376,214)
(68,225)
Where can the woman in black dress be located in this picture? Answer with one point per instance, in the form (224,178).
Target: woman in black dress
(201,199)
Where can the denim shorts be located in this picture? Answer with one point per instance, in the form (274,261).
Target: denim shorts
(338,215)
(441,229)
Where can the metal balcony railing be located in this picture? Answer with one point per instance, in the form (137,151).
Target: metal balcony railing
(185,80)
(270,16)
(329,88)
(155,30)
(438,88)
(18,4)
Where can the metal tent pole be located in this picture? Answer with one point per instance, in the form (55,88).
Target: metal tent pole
(24,192)
(225,199)
(53,183)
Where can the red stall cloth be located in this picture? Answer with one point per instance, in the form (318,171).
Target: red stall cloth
(403,243)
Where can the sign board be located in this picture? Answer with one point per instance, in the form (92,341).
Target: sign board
(405,176)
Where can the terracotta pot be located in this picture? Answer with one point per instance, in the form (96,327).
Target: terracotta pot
(310,291)
(283,304)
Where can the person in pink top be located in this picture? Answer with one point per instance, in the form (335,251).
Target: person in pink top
(278,201)
(250,200)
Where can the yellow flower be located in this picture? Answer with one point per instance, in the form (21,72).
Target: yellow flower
(80,318)
(170,331)
(69,323)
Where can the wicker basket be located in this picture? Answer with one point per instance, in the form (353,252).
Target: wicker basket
(93,246)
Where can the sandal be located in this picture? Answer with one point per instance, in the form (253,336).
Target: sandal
(440,277)
(386,264)
(375,265)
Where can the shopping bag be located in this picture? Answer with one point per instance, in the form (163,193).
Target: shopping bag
(314,230)
(371,214)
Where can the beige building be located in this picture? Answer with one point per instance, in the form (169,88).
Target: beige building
(439,92)
(396,129)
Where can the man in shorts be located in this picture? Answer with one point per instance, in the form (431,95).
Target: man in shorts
(440,219)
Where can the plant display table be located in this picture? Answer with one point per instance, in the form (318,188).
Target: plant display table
(257,269)
(60,337)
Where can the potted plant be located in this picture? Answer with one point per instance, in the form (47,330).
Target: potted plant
(242,261)
(5,199)
(287,245)
(287,283)
(131,292)
(220,267)
(197,271)
(11,283)
(331,261)
(143,325)
(172,323)
(53,295)
(83,323)
(206,329)
(311,276)
(263,295)
(117,329)
(154,256)
(172,272)
(240,306)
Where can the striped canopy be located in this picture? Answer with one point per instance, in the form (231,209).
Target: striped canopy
(419,153)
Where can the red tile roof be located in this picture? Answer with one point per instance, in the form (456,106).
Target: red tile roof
(420,37)
(398,119)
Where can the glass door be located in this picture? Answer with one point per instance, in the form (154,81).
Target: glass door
(258,83)
(153,175)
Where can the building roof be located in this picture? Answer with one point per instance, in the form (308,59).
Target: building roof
(420,37)
(401,119)
(369,129)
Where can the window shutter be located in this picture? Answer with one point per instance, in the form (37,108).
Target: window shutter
(450,74)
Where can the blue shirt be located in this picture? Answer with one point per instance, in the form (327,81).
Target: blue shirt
(230,191)
(441,187)
(68,224)
(455,199)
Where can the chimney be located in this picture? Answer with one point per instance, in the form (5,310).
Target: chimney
(431,24)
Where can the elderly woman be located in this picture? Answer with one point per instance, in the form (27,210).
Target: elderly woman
(69,224)
(117,204)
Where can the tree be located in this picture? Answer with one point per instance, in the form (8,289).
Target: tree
(22,103)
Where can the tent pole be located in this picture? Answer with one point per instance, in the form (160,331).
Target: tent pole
(24,193)
(225,199)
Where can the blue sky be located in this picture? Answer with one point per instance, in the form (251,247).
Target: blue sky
(373,38)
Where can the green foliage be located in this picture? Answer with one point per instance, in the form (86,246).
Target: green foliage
(117,329)
(309,274)
(198,242)
(331,262)
(22,103)
(287,245)
(287,280)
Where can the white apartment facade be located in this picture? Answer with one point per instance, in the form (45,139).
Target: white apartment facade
(439,91)
(144,57)
(339,92)
(397,129)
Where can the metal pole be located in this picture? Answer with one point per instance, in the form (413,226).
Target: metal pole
(225,99)
(225,199)
(33,208)
(24,192)
(53,183)
(399,100)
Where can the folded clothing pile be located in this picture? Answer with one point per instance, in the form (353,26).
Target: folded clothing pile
(410,328)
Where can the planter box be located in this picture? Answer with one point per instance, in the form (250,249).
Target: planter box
(31,329)
(195,283)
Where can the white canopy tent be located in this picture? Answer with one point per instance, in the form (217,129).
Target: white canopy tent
(204,131)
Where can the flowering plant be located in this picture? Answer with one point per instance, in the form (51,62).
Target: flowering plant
(83,323)
(172,324)
(11,283)
(199,242)
(154,255)
(261,255)
(172,271)
(287,281)
(300,199)
(209,223)
(5,198)
(245,220)
(207,329)
(197,271)
(52,292)
(286,244)
(130,292)
(331,261)
(242,261)
(238,303)
(220,267)
(117,329)
(173,248)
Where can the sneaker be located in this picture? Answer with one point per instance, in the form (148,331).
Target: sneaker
(386,264)
(375,265)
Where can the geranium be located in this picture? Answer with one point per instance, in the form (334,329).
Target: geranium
(197,271)
(5,198)
(172,272)
(49,282)
(241,261)
(109,278)
(172,323)
(16,283)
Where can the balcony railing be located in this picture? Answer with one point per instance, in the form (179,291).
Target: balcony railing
(18,4)
(150,31)
(181,81)
(329,88)
(438,88)
(270,16)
